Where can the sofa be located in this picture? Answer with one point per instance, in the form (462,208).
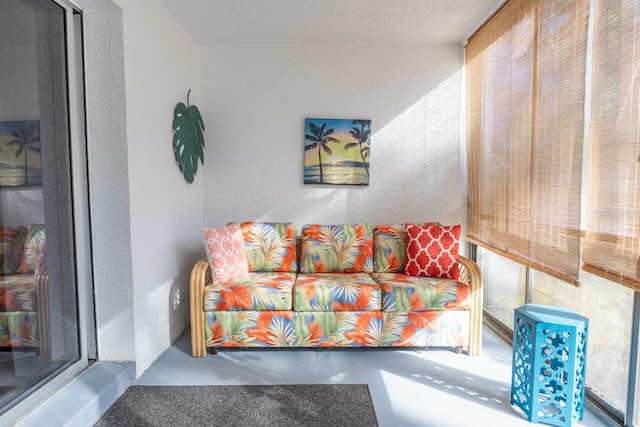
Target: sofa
(346,285)
(23,288)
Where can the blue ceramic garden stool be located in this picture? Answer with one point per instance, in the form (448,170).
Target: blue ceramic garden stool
(549,360)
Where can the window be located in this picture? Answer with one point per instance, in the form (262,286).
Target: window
(609,308)
(526,72)
(505,290)
(527,178)
(612,248)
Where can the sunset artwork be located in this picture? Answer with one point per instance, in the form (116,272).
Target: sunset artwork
(336,151)
(20,161)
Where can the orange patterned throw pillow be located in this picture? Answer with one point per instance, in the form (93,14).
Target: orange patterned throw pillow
(432,251)
(225,252)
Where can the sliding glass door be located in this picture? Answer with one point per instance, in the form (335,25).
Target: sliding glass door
(43,222)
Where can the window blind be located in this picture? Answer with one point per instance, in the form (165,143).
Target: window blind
(612,242)
(525,89)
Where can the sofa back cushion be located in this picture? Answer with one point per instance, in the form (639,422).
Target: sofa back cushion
(270,246)
(390,247)
(12,238)
(34,249)
(344,248)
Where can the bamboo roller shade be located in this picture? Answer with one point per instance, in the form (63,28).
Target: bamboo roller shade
(526,85)
(612,243)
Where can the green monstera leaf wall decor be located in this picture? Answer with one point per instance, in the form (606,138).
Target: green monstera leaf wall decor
(188,138)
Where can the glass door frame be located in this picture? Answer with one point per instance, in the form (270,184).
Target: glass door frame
(81,218)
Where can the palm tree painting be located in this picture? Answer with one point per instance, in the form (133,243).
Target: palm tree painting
(20,161)
(337,151)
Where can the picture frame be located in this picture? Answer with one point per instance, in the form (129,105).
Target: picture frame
(337,151)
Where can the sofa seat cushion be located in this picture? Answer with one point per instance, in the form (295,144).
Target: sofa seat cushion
(294,329)
(255,291)
(18,293)
(404,293)
(336,292)
(426,328)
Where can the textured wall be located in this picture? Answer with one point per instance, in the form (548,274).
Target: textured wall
(255,100)
(108,175)
(161,65)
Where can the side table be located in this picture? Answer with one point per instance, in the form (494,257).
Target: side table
(549,360)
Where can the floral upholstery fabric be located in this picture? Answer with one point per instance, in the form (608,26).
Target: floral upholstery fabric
(270,246)
(410,293)
(293,329)
(426,328)
(11,248)
(345,248)
(19,329)
(335,329)
(34,246)
(390,247)
(18,293)
(22,252)
(255,291)
(336,292)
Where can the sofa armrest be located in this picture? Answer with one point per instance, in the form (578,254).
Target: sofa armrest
(200,276)
(470,273)
(42,298)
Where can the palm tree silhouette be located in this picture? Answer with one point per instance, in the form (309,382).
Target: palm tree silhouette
(320,138)
(361,134)
(25,140)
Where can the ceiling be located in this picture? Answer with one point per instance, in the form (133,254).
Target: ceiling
(330,21)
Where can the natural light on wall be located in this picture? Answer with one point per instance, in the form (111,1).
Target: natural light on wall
(430,130)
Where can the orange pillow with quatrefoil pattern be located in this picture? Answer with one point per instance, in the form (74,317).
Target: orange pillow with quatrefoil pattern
(432,251)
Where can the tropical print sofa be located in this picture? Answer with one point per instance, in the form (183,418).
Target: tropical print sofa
(334,286)
(22,286)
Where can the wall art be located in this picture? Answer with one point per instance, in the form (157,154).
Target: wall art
(337,151)
(188,139)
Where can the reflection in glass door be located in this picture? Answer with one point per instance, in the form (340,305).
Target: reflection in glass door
(39,327)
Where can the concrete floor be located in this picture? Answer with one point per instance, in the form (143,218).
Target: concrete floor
(408,387)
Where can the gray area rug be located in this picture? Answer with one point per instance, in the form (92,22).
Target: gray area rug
(243,405)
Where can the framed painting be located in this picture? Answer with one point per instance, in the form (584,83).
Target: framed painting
(336,151)
(20,161)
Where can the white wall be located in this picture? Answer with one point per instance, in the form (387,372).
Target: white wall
(255,99)
(145,218)
(161,65)
(107,156)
